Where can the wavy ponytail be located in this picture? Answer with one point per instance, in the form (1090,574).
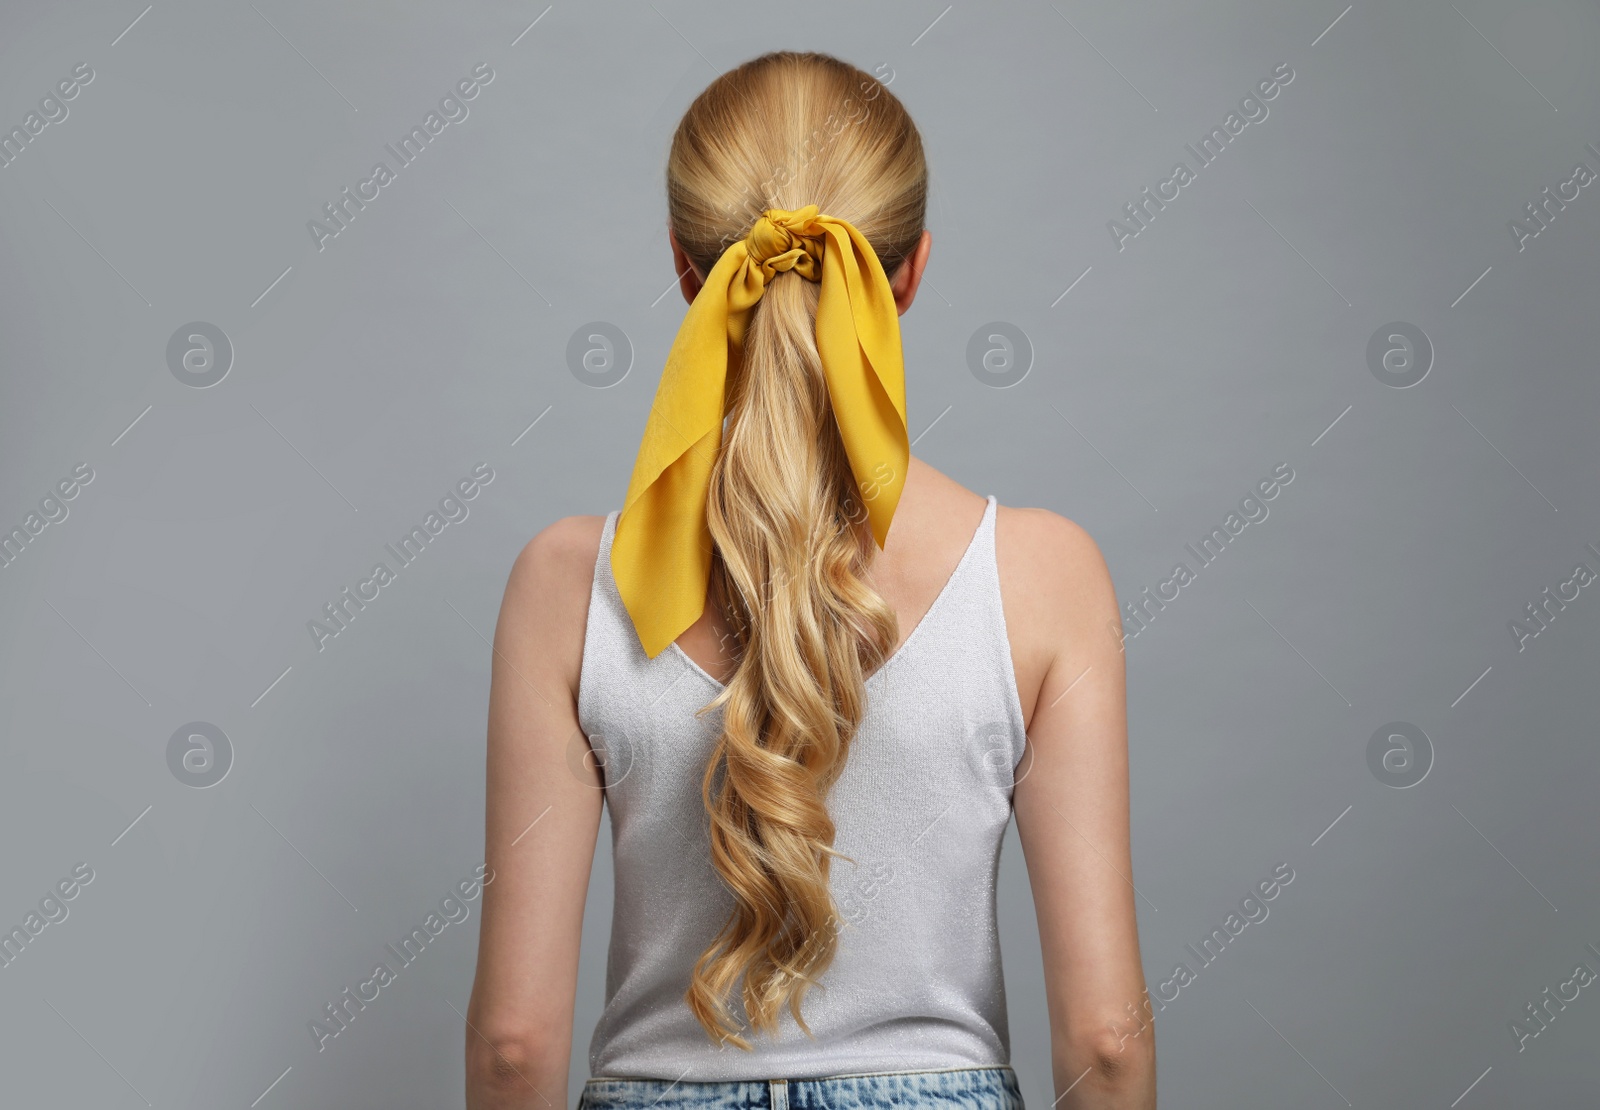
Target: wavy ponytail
(784,510)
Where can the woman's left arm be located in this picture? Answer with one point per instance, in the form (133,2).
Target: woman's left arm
(1072,812)
(543,804)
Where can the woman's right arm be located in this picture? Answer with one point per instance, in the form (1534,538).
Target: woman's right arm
(1072,819)
(543,807)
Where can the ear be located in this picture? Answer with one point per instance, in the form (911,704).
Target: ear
(689,279)
(908,277)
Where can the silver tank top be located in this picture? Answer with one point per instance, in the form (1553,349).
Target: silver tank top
(921,806)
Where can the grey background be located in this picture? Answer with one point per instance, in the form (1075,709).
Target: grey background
(369,377)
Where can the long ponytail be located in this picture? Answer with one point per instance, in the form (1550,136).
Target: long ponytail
(785,514)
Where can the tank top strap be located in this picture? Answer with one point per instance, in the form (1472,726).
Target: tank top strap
(613,658)
(998,642)
(963,639)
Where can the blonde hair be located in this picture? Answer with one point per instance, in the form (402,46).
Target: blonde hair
(785,130)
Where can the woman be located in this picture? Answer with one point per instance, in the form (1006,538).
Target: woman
(811,727)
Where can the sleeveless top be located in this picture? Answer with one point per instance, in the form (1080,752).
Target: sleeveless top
(921,806)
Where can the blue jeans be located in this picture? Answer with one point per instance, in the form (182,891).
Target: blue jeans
(952,1089)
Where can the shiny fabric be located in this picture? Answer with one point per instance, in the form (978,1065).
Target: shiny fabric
(661,559)
(958,1089)
(921,808)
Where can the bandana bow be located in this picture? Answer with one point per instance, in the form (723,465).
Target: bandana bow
(661,549)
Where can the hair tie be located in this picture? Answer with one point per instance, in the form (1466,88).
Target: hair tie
(661,549)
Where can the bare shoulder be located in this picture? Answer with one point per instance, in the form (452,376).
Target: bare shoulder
(546,603)
(1059,601)
(1052,559)
(563,548)
(1047,561)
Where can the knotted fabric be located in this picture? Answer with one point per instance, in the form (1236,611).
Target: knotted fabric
(661,551)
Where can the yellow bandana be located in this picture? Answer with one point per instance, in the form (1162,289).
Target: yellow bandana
(661,551)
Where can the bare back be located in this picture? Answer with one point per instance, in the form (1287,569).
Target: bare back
(933,525)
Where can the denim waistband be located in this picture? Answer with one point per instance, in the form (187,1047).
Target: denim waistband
(989,1088)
